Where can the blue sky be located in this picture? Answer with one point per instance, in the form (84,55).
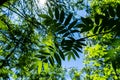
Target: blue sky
(78,63)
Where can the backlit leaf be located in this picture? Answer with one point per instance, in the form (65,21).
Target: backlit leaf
(46,69)
(39,66)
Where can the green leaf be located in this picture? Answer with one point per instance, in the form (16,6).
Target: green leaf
(78,45)
(76,53)
(57,57)
(66,34)
(51,60)
(59,28)
(67,48)
(62,15)
(101,29)
(97,19)
(114,66)
(80,25)
(87,21)
(44,16)
(51,48)
(50,12)
(73,56)
(61,54)
(85,29)
(69,57)
(46,69)
(106,13)
(62,31)
(95,29)
(72,24)
(47,22)
(77,48)
(56,45)
(68,19)
(71,38)
(39,66)
(44,53)
(111,11)
(83,44)
(74,31)
(81,39)
(56,13)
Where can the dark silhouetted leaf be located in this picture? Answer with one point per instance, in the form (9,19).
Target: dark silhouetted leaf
(82,39)
(106,13)
(57,57)
(114,65)
(97,19)
(85,29)
(76,53)
(83,44)
(56,45)
(51,60)
(61,54)
(111,11)
(81,25)
(50,12)
(74,31)
(62,31)
(56,13)
(66,34)
(60,28)
(68,19)
(100,29)
(62,15)
(51,48)
(66,48)
(95,29)
(78,45)
(47,22)
(71,38)
(118,10)
(76,48)
(87,21)
(72,24)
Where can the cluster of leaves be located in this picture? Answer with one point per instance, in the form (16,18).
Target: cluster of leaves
(102,52)
(63,28)
(22,40)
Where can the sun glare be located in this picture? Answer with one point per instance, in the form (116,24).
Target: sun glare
(42,2)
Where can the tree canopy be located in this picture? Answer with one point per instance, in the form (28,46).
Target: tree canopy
(34,39)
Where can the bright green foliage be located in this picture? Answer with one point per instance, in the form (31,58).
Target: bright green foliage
(102,52)
(34,41)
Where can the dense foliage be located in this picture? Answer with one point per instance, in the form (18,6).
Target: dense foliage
(35,39)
